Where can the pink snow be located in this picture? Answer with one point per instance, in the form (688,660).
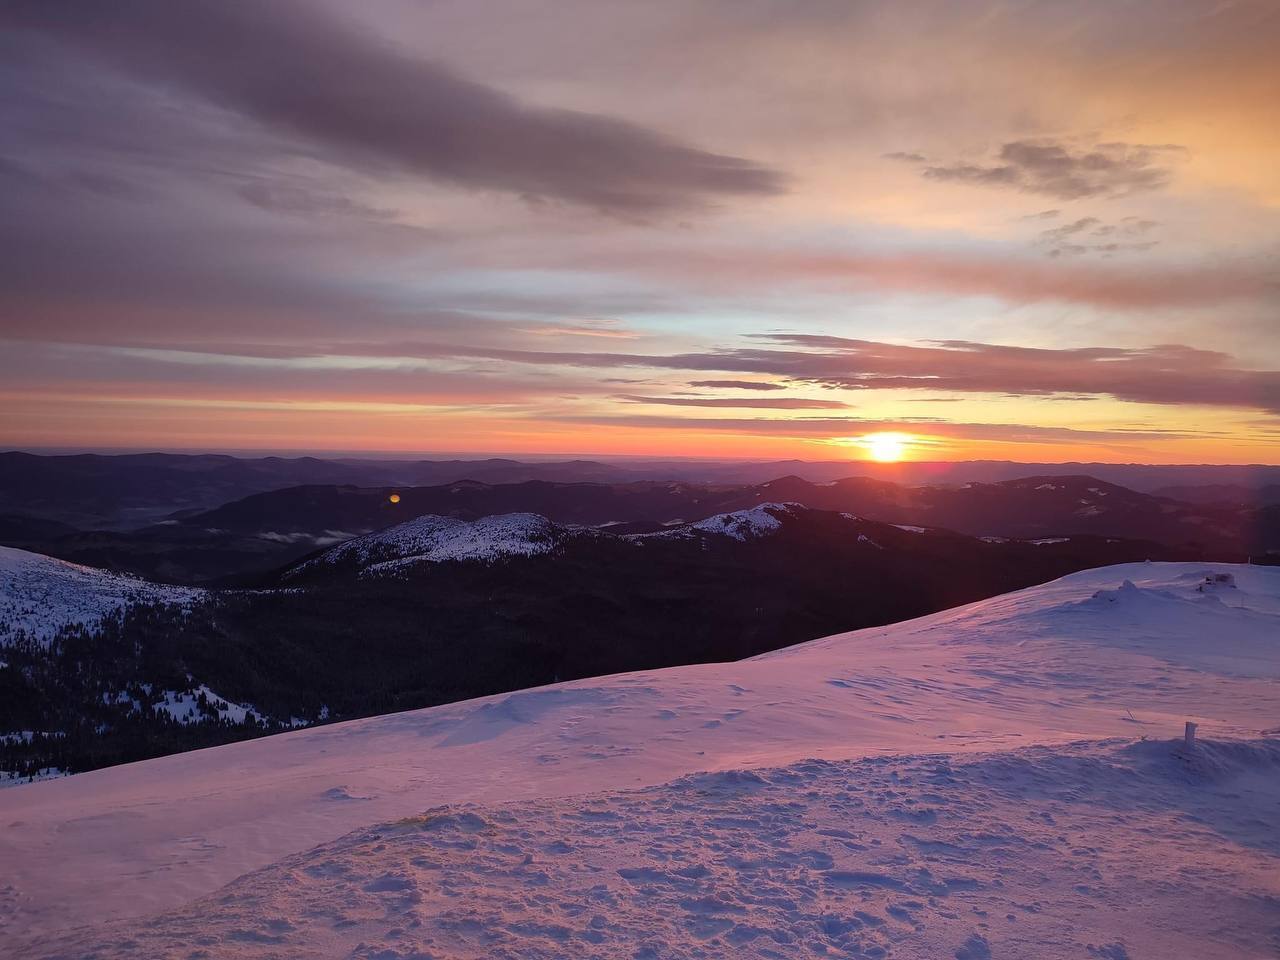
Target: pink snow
(981,762)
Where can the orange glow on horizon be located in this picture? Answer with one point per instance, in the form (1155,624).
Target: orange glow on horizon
(70,421)
(888,447)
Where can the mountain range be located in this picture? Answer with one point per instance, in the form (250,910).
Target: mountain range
(438,609)
(244,542)
(128,491)
(298,604)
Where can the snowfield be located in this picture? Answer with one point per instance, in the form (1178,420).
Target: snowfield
(432,539)
(185,706)
(1002,780)
(759,521)
(39,595)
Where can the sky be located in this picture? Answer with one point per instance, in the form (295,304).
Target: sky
(1013,229)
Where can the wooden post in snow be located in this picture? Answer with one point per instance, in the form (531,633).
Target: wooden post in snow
(1189,737)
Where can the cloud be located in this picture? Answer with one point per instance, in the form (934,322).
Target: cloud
(299,201)
(1053,168)
(1091,235)
(364,104)
(738,384)
(1070,229)
(604,328)
(826,428)
(766,403)
(943,273)
(1162,374)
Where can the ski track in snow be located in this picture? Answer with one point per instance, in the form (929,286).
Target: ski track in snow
(981,792)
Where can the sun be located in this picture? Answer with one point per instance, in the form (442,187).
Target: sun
(886,447)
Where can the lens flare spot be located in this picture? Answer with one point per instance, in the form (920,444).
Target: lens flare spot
(394,498)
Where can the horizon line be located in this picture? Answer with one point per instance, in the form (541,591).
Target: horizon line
(430,456)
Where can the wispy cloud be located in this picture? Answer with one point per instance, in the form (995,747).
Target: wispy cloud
(944,273)
(1161,374)
(367,105)
(1090,235)
(608,329)
(827,428)
(1056,169)
(763,403)
(738,384)
(299,201)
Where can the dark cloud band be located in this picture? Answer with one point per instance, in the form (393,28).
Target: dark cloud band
(366,105)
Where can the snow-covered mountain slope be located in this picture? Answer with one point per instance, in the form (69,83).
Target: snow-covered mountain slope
(957,813)
(39,595)
(759,521)
(431,539)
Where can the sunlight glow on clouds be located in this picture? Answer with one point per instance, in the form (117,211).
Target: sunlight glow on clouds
(1040,231)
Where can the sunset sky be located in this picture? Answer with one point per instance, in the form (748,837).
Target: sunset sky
(1021,230)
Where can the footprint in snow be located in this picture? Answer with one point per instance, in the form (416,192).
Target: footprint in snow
(975,948)
(340,793)
(389,883)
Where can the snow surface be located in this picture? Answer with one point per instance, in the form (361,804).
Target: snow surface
(184,706)
(995,781)
(40,595)
(759,521)
(327,538)
(432,539)
(1012,854)
(762,520)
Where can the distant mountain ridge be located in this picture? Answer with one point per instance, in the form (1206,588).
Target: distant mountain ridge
(127,491)
(1027,506)
(1024,508)
(1224,494)
(243,540)
(130,490)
